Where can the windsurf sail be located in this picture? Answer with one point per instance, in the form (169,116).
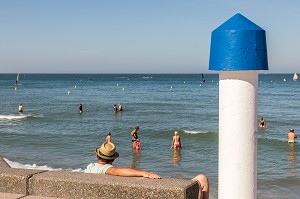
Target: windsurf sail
(295,78)
(17,80)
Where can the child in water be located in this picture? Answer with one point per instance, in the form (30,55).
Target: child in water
(137,145)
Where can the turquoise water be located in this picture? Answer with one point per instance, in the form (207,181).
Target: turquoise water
(52,133)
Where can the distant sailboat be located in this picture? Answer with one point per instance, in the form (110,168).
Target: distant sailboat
(17,80)
(295,78)
(203,80)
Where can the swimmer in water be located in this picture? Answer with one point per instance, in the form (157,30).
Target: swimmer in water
(291,136)
(176,141)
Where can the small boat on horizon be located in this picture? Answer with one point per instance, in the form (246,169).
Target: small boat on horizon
(203,80)
(295,77)
(17,80)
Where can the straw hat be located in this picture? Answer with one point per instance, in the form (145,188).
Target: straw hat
(176,133)
(107,151)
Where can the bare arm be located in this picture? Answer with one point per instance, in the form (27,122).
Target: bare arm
(134,134)
(173,140)
(128,172)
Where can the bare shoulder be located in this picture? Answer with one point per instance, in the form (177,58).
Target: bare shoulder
(112,170)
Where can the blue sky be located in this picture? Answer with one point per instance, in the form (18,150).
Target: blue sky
(135,36)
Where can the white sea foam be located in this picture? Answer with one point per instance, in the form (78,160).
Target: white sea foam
(13,117)
(195,132)
(19,117)
(34,166)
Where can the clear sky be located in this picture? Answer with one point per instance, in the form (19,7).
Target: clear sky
(135,36)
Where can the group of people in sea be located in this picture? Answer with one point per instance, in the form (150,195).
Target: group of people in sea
(119,108)
(291,134)
(116,109)
(176,139)
(106,154)
(136,144)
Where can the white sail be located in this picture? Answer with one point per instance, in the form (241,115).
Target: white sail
(17,79)
(295,78)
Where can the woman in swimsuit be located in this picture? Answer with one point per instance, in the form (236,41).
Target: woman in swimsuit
(176,141)
(134,136)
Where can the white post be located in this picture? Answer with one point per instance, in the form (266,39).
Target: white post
(238,134)
(238,50)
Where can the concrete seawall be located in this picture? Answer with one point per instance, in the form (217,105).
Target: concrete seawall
(63,184)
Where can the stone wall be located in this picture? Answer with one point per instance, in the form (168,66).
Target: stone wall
(64,184)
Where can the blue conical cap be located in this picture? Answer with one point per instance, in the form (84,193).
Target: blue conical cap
(238,22)
(238,44)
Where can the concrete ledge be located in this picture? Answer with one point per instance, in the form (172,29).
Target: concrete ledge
(11,195)
(21,196)
(64,184)
(16,180)
(83,185)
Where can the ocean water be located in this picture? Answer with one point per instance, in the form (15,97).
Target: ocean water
(51,134)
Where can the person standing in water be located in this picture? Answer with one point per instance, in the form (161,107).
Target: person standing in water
(21,108)
(291,136)
(120,107)
(115,108)
(262,123)
(134,136)
(176,141)
(80,108)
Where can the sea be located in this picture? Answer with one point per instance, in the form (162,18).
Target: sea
(52,134)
